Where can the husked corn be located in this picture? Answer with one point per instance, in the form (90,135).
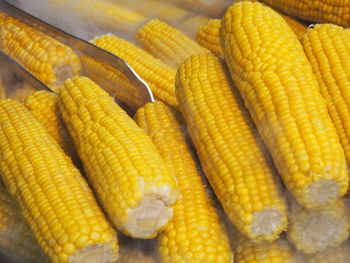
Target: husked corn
(327,47)
(208,36)
(167,43)
(126,171)
(271,71)
(44,107)
(46,58)
(52,195)
(159,76)
(195,233)
(230,152)
(16,240)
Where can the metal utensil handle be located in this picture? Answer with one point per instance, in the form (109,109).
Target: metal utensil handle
(23,73)
(81,45)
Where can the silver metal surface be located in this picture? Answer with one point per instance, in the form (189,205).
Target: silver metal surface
(81,45)
(23,73)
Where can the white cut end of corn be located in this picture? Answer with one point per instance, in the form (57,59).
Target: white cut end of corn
(322,192)
(94,253)
(266,222)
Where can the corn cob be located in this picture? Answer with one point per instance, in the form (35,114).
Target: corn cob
(16,239)
(275,79)
(229,152)
(191,25)
(52,194)
(278,251)
(213,8)
(137,250)
(125,169)
(194,234)
(43,106)
(21,91)
(159,76)
(47,59)
(167,43)
(208,36)
(340,254)
(105,15)
(327,48)
(315,230)
(321,11)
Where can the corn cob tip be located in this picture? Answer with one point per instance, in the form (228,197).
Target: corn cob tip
(323,192)
(267,222)
(147,218)
(94,253)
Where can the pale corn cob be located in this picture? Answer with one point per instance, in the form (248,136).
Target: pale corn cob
(208,36)
(46,58)
(167,43)
(191,26)
(195,233)
(53,196)
(16,240)
(105,15)
(137,250)
(315,230)
(321,11)
(278,251)
(125,169)
(328,50)
(269,67)
(339,254)
(213,8)
(230,154)
(159,76)
(44,107)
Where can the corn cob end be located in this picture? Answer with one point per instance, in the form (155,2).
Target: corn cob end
(268,223)
(322,192)
(94,253)
(62,73)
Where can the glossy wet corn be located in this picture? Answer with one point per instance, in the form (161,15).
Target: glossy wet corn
(53,196)
(195,233)
(269,67)
(126,171)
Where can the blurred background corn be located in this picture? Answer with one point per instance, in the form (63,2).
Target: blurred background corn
(271,71)
(327,47)
(195,233)
(191,26)
(208,36)
(230,153)
(167,43)
(320,11)
(52,194)
(126,171)
(46,58)
(16,240)
(339,254)
(20,91)
(159,76)
(312,231)
(43,105)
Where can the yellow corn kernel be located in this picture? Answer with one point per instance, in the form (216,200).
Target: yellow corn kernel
(321,11)
(159,76)
(105,15)
(327,48)
(339,254)
(53,196)
(271,71)
(195,233)
(43,105)
(124,167)
(208,36)
(16,240)
(46,58)
(315,230)
(230,153)
(167,43)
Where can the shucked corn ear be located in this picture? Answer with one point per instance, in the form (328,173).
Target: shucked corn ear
(160,77)
(195,233)
(328,50)
(321,11)
(46,58)
(339,254)
(315,230)
(16,240)
(52,194)
(104,14)
(43,105)
(269,67)
(125,169)
(229,151)
(167,43)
